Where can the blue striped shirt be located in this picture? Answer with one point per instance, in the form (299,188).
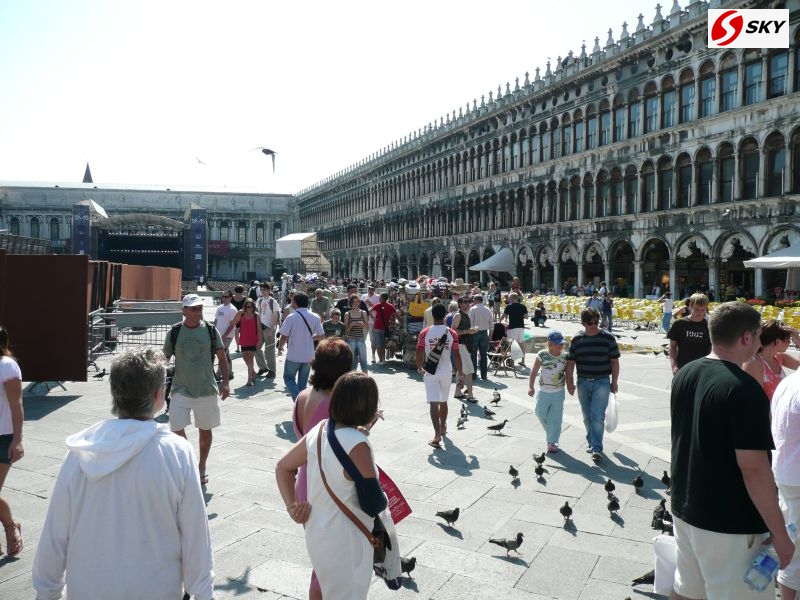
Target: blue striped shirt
(592,354)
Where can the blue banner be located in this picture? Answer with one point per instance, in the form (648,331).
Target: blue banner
(196,263)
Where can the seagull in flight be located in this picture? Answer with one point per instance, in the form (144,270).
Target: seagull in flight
(270,153)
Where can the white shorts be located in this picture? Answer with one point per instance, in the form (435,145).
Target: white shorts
(437,387)
(789,498)
(206,412)
(712,565)
(466,360)
(518,335)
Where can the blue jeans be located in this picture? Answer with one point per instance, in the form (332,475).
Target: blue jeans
(480,343)
(550,410)
(593,397)
(359,350)
(295,376)
(665,322)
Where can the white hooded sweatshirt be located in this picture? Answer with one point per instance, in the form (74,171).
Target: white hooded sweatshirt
(126,519)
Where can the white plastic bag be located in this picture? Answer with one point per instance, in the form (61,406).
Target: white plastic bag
(612,413)
(517,353)
(390,569)
(666,558)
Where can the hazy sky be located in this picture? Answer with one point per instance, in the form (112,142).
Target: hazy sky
(144,90)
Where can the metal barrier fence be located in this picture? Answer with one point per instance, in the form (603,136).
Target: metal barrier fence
(118,330)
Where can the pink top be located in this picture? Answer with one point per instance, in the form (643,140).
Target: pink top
(248,332)
(320,414)
(771,378)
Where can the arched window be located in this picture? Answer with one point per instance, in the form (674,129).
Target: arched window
(664,199)
(536,148)
(555,138)
(634,105)
(277,230)
(591,128)
(687,96)
(631,189)
(778,73)
(727,170)
(563,202)
(575,198)
(748,166)
(516,146)
(35,227)
(260,233)
(522,149)
(544,138)
(479,158)
(729,82)
(508,164)
(705,176)
(13,226)
(753,76)
(619,118)
(649,181)
(683,167)
(650,107)
(588,196)
(224,230)
(776,164)
(601,200)
(55,230)
(566,132)
(605,124)
(615,198)
(578,128)
(668,102)
(795,162)
(241,232)
(708,89)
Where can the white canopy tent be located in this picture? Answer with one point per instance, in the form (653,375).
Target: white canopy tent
(305,247)
(502,260)
(786,258)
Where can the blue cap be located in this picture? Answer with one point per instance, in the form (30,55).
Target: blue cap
(555,337)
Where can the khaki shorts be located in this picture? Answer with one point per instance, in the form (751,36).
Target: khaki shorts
(518,335)
(437,387)
(206,412)
(712,565)
(466,360)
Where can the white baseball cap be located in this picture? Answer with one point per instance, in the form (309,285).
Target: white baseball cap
(190,300)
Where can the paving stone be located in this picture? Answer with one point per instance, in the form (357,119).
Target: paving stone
(558,573)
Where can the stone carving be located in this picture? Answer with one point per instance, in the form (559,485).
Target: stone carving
(544,256)
(569,253)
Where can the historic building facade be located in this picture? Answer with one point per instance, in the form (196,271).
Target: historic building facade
(650,160)
(241,227)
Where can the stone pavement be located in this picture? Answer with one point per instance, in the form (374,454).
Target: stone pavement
(260,553)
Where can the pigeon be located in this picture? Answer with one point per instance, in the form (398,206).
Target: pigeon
(513,472)
(100,375)
(656,351)
(488,412)
(611,496)
(667,527)
(666,352)
(460,422)
(464,412)
(540,471)
(495,397)
(665,479)
(658,513)
(609,486)
(407,565)
(509,543)
(566,511)
(539,459)
(613,505)
(638,483)
(498,427)
(648,578)
(450,516)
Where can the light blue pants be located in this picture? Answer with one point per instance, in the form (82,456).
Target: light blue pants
(665,320)
(359,350)
(295,376)
(593,397)
(550,410)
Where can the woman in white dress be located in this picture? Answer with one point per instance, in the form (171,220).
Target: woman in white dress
(339,551)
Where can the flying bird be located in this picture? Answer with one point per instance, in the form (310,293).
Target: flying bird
(199,161)
(488,413)
(648,578)
(513,472)
(495,397)
(498,427)
(100,375)
(566,512)
(638,483)
(407,565)
(609,486)
(509,543)
(450,516)
(270,153)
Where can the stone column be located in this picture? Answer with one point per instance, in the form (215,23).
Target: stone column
(758,282)
(673,283)
(638,291)
(713,275)
(557,277)
(580,273)
(736,174)
(607,266)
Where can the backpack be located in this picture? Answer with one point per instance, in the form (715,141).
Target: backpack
(176,329)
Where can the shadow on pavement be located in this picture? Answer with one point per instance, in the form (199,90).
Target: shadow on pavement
(285,431)
(453,459)
(451,531)
(36,407)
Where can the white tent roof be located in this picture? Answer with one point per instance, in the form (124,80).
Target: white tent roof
(502,260)
(291,246)
(788,258)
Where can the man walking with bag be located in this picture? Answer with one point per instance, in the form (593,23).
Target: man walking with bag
(270,313)
(433,351)
(299,330)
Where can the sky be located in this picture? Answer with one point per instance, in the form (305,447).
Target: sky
(184,93)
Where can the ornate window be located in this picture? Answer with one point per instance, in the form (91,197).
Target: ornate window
(649,181)
(795,162)
(605,124)
(650,108)
(579,132)
(705,176)
(13,226)
(729,83)
(55,230)
(588,196)
(535,148)
(634,106)
(664,199)
(668,103)
(523,149)
(708,90)
(778,72)
(752,77)
(749,169)
(776,164)
(35,227)
(687,96)
(684,169)
(575,198)
(727,170)
(545,142)
(591,128)
(619,119)
(602,194)
(277,230)
(555,138)
(260,233)
(631,189)
(566,130)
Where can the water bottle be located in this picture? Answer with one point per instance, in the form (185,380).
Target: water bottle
(762,572)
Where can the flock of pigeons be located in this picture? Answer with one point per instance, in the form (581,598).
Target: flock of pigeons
(662,519)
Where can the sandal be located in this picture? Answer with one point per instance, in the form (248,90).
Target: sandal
(15,546)
(203,478)
(435,444)
(459,396)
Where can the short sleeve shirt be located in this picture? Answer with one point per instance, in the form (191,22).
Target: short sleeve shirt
(593,354)
(551,372)
(301,343)
(383,314)
(692,338)
(516,315)
(332,329)
(430,336)
(9,370)
(194,368)
(224,317)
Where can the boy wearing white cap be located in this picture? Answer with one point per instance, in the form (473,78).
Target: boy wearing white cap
(551,362)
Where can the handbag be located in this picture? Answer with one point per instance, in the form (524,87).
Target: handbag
(417,307)
(432,361)
(382,538)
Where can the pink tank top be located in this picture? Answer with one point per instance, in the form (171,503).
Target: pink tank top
(771,378)
(248,331)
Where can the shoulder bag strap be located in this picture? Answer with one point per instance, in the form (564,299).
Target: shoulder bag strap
(306,322)
(372,539)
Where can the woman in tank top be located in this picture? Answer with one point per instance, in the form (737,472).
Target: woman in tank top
(767,364)
(249,326)
(356,324)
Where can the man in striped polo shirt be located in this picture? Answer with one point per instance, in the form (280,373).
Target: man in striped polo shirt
(595,354)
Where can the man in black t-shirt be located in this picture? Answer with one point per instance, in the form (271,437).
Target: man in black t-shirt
(515,312)
(688,337)
(723,490)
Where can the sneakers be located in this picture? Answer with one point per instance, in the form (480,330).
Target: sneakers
(588,450)
(270,375)
(596,456)
(262,371)
(552,448)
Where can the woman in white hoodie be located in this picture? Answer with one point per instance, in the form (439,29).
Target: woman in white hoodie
(127,517)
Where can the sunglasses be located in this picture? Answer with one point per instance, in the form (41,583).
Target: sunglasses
(195,308)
